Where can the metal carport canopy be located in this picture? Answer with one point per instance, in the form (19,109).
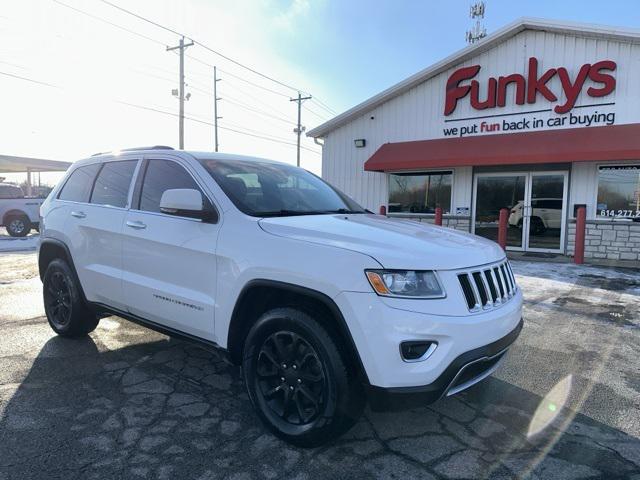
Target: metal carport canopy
(13,164)
(615,142)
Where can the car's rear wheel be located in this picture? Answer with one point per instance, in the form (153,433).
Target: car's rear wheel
(18,226)
(298,381)
(67,313)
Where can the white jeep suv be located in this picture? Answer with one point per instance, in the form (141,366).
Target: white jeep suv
(323,304)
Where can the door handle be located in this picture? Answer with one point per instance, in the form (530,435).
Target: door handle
(138,225)
(78,214)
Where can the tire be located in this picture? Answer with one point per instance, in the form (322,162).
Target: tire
(289,355)
(67,313)
(537,226)
(18,225)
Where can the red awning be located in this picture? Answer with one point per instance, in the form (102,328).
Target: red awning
(615,142)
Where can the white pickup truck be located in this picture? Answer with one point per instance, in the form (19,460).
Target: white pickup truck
(18,213)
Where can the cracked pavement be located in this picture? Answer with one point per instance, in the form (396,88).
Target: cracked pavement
(127,402)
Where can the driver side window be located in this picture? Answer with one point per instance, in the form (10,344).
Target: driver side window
(159,176)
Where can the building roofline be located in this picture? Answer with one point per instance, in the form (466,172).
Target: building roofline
(499,36)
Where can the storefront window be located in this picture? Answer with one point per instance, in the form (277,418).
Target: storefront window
(420,192)
(619,192)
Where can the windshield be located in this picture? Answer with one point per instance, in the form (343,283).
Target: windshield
(265,189)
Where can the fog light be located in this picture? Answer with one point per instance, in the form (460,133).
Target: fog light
(417,351)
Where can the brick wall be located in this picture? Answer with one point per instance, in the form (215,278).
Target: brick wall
(608,240)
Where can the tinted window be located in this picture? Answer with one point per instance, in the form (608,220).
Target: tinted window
(619,191)
(272,189)
(550,204)
(10,191)
(78,185)
(112,184)
(163,175)
(420,192)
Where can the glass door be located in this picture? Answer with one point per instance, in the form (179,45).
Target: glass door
(493,192)
(546,211)
(537,209)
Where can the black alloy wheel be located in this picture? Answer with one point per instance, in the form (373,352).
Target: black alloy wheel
(57,299)
(290,378)
(67,312)
(299,378)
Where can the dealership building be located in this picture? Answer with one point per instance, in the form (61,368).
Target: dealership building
(539,118)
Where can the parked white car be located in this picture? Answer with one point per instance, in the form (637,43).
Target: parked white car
(546,213)
(324,304)
(18,213)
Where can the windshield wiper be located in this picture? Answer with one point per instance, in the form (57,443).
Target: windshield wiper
(291,213)
(345,210)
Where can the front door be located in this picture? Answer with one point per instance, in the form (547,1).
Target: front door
(536,202)
(546,212)
(169,262)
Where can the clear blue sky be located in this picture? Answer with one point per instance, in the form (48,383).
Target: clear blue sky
(108,88)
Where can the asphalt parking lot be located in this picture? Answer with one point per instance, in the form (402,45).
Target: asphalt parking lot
(130,403)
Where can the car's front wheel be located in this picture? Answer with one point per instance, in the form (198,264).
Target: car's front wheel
(297,379)
(67,313)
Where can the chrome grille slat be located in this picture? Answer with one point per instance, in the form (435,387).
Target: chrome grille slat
(495,282)
(476,293)
(507,283)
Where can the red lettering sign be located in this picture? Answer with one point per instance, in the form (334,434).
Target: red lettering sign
(528,87)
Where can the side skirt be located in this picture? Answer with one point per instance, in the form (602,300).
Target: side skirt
(105,310)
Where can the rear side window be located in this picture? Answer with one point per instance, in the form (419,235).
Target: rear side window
(78,186)
(112,184)
(10,191)
(162,175)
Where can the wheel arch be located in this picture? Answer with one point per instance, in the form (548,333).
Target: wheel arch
(261,295)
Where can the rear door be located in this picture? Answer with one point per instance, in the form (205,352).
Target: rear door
(94,229)
(169,262)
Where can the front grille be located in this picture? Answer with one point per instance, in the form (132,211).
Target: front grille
(488,287)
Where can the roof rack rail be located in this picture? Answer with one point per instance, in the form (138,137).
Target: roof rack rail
(133,149)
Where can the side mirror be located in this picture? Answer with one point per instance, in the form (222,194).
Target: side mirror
(186,202)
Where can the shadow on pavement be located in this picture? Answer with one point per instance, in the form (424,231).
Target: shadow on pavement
(166,409)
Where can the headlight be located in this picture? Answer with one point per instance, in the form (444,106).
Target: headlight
(405,283)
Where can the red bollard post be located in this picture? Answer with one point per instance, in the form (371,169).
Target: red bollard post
(383,210)
(502,228)
(581,225)
(438,216)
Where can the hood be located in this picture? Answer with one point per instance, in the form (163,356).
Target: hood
(395,243)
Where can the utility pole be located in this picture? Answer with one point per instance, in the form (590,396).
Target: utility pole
(299,129)
(215,107)
(181,47)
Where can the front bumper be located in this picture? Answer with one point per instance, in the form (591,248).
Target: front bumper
(464,371)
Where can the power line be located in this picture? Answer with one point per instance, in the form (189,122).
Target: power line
(140,17)
(30,80)
(205,122)
(254,84)
(324,106)
(164,112)
(315,100)
(256,99)
(203,45)
(120,27)
(321,117)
